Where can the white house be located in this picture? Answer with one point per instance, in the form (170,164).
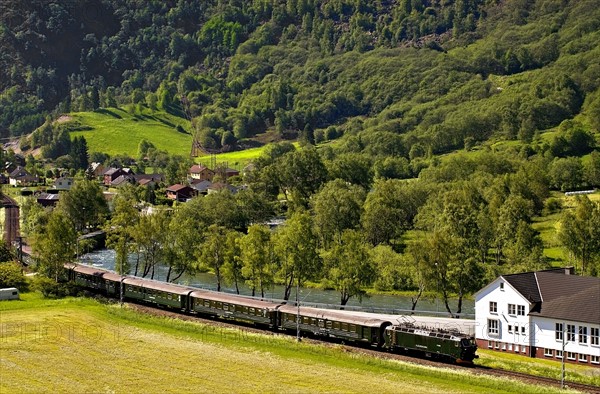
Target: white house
(544,314)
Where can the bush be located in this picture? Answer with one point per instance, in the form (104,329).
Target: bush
(552,205)
(12,276)
(52,289)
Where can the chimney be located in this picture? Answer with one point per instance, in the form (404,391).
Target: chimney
(569,270)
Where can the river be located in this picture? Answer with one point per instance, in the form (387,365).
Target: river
(105,258)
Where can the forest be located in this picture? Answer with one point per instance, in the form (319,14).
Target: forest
(432,133)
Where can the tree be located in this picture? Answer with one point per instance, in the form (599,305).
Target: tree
(150,235)
(84,205)
(213,251)
(337,207)
(591,169)
(349,266)
(580,234)
(295,245)
(79,153)
(119,229)
(55,245)
(186,233)
(302,174)
(257,258)
(451,248)
(232,265)
(390,209)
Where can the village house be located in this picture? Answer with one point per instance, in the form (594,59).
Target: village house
(47,199)
(96,170)
(203,173)
(178,192)
(201,187)
(63,184)
(112,174)
(545,314)
(20,177)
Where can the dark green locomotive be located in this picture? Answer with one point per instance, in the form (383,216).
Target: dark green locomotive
(434,343)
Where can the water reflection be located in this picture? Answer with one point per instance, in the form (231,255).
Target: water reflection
(105,258)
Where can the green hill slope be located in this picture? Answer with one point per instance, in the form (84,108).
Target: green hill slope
(115,131)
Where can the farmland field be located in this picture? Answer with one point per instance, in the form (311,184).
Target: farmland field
(78,345)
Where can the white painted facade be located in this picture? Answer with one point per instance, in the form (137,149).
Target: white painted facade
(579,341)
(507,326)
(511,317)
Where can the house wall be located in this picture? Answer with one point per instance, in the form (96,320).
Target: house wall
(547,345)
(514,330)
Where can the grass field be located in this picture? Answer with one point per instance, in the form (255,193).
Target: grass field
(236,160)
(78,345)
(115,131)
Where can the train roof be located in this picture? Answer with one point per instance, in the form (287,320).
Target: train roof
(340,316)
(157,285)
(88,270)
(234,299)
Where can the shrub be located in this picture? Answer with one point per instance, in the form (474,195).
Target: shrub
(52,289)
(12,276)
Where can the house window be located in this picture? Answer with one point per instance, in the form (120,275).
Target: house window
(582,334)
(521,310)
(501,286)
(595,336)
(490,344)
(516,328)
(512,309)
(510,329)
(571,332)
(582,358)
(559,354)
(571,356)
(522,330)
(548,352)
(493,307)
(558,333)
(595,359)
(493,327)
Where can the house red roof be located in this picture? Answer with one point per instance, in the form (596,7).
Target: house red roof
(198,168)
(177,187)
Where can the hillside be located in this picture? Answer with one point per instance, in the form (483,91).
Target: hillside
(446,132)
(436,76)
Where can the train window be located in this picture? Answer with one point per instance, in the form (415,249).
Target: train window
(251,311)
(207,303)
(225,307)
(345,326)
(328,324)
(352,327)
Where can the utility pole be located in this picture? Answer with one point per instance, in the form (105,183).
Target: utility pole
(562,374)
(298,339)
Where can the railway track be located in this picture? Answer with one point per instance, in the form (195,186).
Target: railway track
(479,370)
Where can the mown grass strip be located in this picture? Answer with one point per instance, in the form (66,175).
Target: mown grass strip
(78,345)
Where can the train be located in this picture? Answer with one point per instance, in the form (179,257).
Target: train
(355,329)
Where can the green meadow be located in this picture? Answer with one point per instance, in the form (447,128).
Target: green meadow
(78,345)
(116,131)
